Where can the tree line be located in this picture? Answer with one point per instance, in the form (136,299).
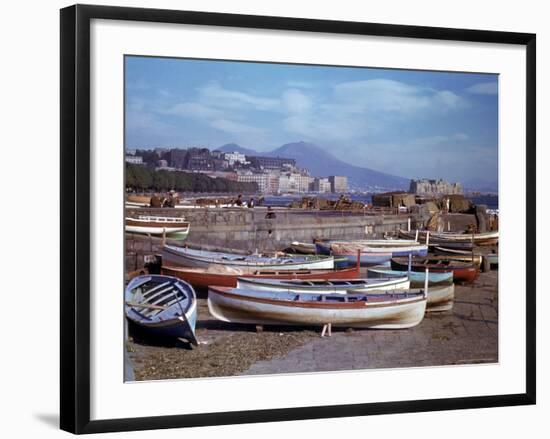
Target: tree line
(141,178)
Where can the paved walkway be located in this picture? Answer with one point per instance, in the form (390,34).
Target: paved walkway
(467,334)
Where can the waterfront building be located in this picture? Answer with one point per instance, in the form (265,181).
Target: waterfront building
(434,187)
(290,182)
(338,184)
(321,185)
(260,179)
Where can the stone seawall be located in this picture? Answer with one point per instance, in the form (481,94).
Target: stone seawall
(247,230)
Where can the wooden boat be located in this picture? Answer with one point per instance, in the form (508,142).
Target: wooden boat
(417,279)
(462,271)
(464,246)
(365,259)
(171,227)
(392,310)
(162,305)
(187,257)
(320,286)
(441,290)
(372,248)
(460,255)
(204,277)
(485,238)
(303,247)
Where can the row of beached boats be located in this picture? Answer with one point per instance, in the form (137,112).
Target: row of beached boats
(301,289)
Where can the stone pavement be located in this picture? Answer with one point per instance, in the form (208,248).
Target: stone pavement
(467,334)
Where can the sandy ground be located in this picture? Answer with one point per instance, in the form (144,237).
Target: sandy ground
(466,334)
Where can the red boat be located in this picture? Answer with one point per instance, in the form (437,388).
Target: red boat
(462,271)
(203,278)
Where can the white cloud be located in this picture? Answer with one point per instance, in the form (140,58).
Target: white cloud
(213,94)
(232,127)
(386,95)
(193,110)
(484,88)
(295,101)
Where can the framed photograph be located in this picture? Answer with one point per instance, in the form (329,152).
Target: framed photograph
(284,218)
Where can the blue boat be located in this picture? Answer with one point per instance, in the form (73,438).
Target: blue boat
(417,278)
(163,305)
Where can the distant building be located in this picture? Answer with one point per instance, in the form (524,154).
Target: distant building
(235,157)
(273,162)
(134,159)
(178,158)
(233,176)
(162,164)
(199,159)
(338,184)
(260,179)
(434,187)
(290,182)
(321,185)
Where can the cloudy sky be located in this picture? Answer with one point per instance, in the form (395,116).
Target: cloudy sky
(408,123)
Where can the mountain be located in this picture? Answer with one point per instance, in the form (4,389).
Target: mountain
(233,147)
(321,163)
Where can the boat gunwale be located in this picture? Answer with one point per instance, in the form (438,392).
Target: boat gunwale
(418,297)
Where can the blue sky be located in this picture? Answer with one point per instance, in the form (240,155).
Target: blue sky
(408,123)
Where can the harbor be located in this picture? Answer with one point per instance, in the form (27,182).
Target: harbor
(467,334)
(281,261)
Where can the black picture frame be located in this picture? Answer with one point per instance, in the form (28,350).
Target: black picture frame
(75,217)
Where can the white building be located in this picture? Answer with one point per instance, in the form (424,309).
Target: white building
(235,157)
(292,183)
(321,185)
(338,184)
(260,179)
(134,159)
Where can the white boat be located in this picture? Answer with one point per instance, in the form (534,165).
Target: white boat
(303,247)
(320,286)
(172,227)
(391,310)
(187,257)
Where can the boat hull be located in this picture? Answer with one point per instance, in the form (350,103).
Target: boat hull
(303,248)
(182,257)
(235,308)
(179,233)
(465,273)
(202,279)
(162,306)
(366,259)
(417,278)
(266,285)
(483,239)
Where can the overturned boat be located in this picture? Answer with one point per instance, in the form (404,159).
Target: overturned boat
(162,305)
(381,310)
